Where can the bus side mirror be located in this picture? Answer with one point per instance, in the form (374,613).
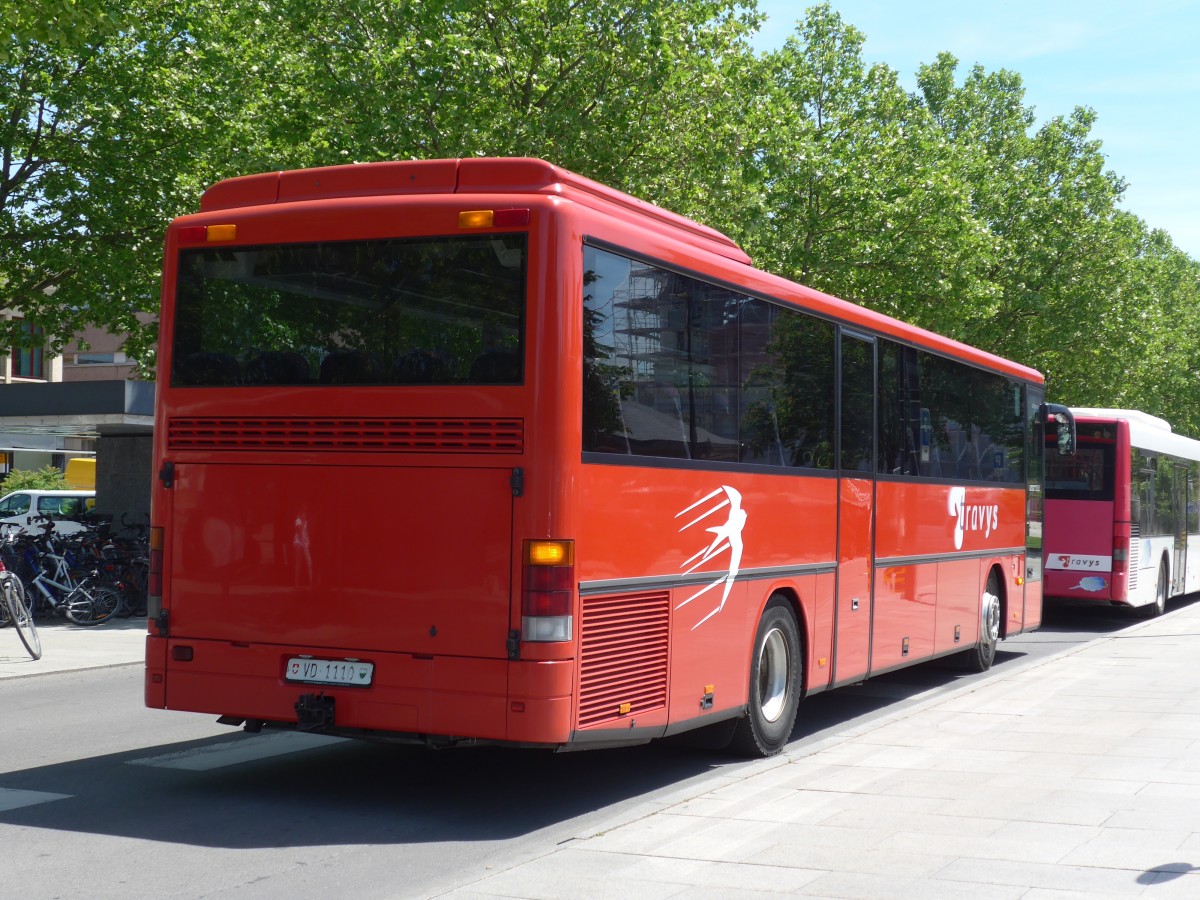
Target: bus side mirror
(1063,421)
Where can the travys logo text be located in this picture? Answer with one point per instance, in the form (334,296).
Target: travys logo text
(984,517)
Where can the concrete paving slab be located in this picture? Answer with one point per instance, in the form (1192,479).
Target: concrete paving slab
(1075,776)
(67,647)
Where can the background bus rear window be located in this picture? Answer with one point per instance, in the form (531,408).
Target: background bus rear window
(1088,475)
(400,311)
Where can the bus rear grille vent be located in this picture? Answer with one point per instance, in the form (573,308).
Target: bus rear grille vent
(623,669)
(1135,556)
(372,435)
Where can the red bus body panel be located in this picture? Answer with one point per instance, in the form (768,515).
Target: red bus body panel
(1080,546)
(327,524)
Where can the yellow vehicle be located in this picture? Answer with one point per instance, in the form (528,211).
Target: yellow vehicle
(81,473)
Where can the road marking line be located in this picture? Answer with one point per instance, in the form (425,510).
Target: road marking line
(11,798)
(231,753)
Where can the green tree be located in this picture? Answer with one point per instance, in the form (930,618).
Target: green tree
(853,171)
(106,139)
(99,147)
(1061,262)
(64,24)
(628,93)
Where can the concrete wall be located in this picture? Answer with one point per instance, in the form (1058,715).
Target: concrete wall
(123,477)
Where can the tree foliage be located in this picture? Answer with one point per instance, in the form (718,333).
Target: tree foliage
(949,206)
(47,478)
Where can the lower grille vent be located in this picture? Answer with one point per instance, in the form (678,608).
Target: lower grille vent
(623,670)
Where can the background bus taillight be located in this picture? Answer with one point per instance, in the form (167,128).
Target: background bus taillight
(154,577)
(548,590)
(1120,560)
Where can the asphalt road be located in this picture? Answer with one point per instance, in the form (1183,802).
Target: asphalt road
(100,797)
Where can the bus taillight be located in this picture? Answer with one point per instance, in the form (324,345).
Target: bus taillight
(1120,560)
(195,234)
(548,591)
(154,578)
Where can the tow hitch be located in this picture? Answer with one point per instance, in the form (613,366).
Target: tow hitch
(314,712)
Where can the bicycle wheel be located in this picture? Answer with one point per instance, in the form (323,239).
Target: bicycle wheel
(22,619)
(132,585)
(88,605)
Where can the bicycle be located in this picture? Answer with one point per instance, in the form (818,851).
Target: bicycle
(78,598)
(18,612)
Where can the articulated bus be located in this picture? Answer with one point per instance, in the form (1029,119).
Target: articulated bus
(1122,517)
(466,451)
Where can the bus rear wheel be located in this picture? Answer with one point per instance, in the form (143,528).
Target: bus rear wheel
(980,657)
(775,670)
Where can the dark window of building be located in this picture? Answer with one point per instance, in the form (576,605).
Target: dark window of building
(29,358)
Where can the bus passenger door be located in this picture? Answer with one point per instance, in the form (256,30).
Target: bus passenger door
(856,508)
(1180,516)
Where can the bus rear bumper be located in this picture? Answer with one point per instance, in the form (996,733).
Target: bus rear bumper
(454,698)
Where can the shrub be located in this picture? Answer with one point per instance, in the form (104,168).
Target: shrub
(47,478)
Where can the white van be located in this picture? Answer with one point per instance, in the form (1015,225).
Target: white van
(64,507)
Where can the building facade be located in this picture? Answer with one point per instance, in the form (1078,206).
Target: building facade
(83,402)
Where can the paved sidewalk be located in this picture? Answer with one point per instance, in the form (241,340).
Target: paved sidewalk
(1076,776)
(66,647)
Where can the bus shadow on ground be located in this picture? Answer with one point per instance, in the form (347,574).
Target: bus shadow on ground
(355,792)
(1080,616)
(348,792)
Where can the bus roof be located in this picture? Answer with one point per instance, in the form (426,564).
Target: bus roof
(524,176)
(1146,432)
(449,176)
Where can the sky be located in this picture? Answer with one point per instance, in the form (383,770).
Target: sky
(1137,64)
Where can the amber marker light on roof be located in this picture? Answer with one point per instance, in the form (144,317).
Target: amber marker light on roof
(493,218)
(476,218)
(196,234)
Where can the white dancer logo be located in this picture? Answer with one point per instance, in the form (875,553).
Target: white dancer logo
(725,537)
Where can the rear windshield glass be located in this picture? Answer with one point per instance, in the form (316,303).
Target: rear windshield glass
(1089,474)
(401,311)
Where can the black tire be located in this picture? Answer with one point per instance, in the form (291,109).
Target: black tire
(776,667)
(133,590)
(22,618)
(980,657)
(1159,606)
(37,605)
(90,605)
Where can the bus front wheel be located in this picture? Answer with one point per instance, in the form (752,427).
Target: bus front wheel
(775,682)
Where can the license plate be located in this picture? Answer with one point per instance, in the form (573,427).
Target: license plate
(329,671)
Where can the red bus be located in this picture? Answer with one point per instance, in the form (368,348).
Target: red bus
(480,450)
(1122,519)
